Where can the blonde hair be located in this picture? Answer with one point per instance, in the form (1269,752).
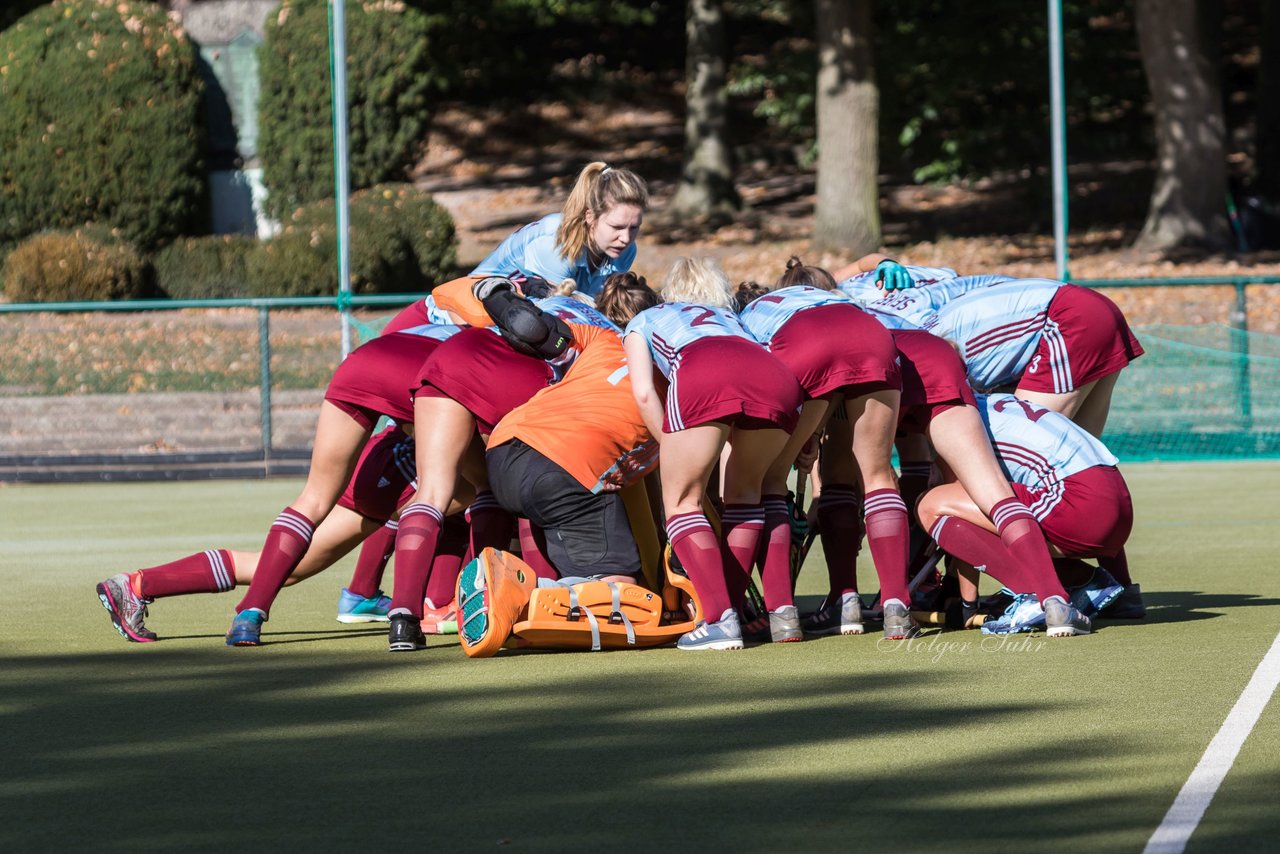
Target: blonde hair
(598,189)
(799,273)
(624,296)
(698,280)
(566,288)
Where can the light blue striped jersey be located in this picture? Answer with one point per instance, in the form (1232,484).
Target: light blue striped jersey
(766,314)
(862,287)
(571,310)
(670,327)
(997,328)
(533,250)
(915,308)
(1038,447)
(438,331)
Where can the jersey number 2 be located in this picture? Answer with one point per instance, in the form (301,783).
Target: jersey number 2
(707,317)
(1033,413)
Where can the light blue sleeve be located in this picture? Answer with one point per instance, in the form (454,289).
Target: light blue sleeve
(531,250)
(540,256)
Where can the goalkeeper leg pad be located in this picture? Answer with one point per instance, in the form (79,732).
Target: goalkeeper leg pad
(492,596)
(596,615)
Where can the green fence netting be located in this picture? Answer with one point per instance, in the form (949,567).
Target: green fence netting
(1199,392)
(99,381)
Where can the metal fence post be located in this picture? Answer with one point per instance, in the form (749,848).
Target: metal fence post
(1239,321)
(264,377)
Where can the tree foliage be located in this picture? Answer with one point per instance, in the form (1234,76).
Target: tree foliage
(964,86)
(100,122)
(391,78)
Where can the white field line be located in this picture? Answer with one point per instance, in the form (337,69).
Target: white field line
(1189,807)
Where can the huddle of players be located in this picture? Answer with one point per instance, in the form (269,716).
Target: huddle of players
(756,408)
(568,406)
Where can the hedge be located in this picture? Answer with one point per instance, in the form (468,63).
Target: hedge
(68,266)
(100,122)
(390,77)
(401,241)
(211,267)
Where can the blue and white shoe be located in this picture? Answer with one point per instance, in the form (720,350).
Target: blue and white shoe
(1096,593)
(1024,614)
(246,628)
(724,633)
(353,608)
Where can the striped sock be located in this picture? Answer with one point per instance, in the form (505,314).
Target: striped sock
(1023,537)
(416,541)
(740,529)
(286,543)
(775,577)
(204,572)
(887,537)
(695,543)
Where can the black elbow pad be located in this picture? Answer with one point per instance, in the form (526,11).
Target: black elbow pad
(526,327)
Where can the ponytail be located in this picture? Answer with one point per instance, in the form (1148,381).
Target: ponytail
(624,296)
(599,187)
(799,273)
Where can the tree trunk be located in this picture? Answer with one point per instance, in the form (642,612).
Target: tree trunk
(1268,111)
(1188,202)
(706,185)
(847,218)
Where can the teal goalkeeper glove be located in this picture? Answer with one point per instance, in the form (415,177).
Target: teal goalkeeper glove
(892,276)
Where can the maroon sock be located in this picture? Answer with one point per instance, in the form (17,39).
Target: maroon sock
(533,550)
(207,572)
(455,543)
(1023,537)
(491,525)
(286,543)
(775,577)
(416,541)
(914,482)
(740,529)
(886,519)
(840,525)
(1072,571)
(1118,566)
(372,562)
(965,541)
(695,543)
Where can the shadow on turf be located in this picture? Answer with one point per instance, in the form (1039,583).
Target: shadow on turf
(278,638)
(205,749)
(1183,606)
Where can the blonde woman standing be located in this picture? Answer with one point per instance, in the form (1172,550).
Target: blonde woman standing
(721,387)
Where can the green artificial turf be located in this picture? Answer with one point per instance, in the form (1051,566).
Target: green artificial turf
(322,741)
